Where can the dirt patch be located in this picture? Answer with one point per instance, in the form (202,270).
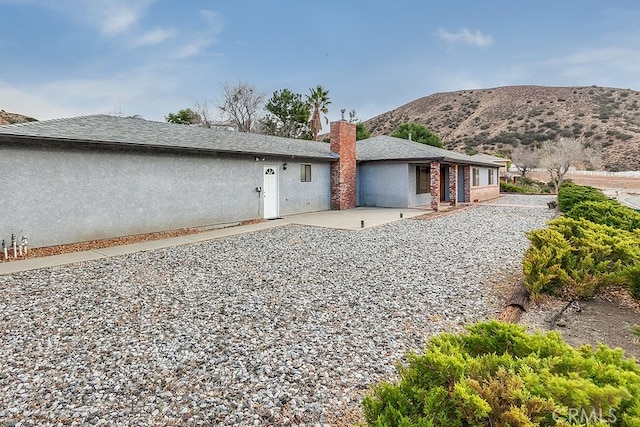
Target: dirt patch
(117,241)
(602,182)
(609,319)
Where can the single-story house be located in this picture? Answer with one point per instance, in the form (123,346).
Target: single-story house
(394,172)
(500,161)
(100,176)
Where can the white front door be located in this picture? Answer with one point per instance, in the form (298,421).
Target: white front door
(270,193)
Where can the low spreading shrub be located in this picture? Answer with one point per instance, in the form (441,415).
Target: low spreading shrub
(570,194)
(507,187)
(578,258)
(498,375)
(607,212)
(525,185)
(633,275)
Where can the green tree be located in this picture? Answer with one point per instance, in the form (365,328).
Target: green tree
(183,117)
(288,115)
(418,133)
(318,101)
(362,132)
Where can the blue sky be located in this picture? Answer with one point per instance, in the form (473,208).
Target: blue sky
(63,58)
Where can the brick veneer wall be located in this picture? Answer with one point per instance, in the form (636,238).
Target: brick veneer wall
(343,172)
(453,185)
(488,192)
(435,185)
(467,183)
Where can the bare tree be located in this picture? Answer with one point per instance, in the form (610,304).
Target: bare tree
(558,156)
(202,110)
(241,105)
(525,159)
(593,155)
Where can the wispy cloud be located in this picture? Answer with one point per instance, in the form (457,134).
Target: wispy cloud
(214,22)
(195,47)
(213,19)
(465,36)
(154,37)
(118,21)
(112,17)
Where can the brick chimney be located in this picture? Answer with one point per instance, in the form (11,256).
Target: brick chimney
(343,172)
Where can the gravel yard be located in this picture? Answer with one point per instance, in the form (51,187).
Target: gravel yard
(285,326)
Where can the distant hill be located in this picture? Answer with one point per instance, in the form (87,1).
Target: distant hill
(11,118)
(495,120)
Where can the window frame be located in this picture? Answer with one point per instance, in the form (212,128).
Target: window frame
(423,184)
(490,176)
(475,177)
(305,172)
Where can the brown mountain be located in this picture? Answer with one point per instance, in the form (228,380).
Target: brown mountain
(11,118)
(495,120)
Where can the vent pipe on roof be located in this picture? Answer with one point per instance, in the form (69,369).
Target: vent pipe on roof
(410,137)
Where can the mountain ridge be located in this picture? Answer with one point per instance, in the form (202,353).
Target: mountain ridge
(7,118)
(494,120)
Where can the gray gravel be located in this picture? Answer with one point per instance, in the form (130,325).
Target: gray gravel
(288,326)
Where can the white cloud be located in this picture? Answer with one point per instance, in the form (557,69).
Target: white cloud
(112,17)
(154,37)
(464,36)
(214,20)
(215,25)
(195,47)
(116,17)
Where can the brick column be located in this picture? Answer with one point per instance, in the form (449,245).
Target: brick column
(343,172)
(435,186)
(467,183)
(453,185)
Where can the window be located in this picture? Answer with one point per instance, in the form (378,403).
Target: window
(490,176)
(423,179)
(305,173)
(476,177)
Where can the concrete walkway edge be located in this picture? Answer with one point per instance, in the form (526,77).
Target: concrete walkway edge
(351,219)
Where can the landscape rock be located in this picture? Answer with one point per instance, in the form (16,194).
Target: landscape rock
(286,326)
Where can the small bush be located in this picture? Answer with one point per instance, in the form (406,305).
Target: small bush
(578,258)
(608,212)
(569,194)
(633,276)
(507,187)
(498,375)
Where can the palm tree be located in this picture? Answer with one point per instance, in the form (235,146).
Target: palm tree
(318,100)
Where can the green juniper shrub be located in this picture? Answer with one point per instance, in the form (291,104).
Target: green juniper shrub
(607,212)
(507,187)
(569,194)
(496,374)
(525,185)
(578,258)
(632,274)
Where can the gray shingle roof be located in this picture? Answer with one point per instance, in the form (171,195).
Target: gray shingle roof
(120,131)
(489,158)
(389,148)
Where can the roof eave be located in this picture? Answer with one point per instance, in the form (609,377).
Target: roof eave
(120,144)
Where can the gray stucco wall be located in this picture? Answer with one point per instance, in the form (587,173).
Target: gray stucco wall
(301,197)
(70,194)
(384,184)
